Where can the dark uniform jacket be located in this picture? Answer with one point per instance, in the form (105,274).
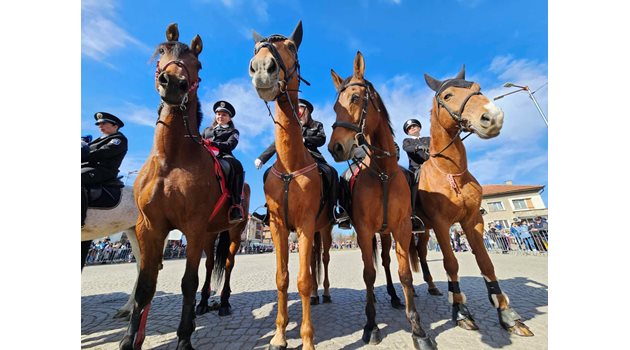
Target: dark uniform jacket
(314,136)
(417,150)
(225,139)
(106,153)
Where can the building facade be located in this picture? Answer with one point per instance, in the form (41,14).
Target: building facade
(506,202)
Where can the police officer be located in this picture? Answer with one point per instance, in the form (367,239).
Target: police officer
(105,155)
(225,137)
(417,147)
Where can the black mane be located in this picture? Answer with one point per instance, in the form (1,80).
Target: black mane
(379,101)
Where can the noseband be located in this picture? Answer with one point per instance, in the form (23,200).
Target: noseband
(457,116)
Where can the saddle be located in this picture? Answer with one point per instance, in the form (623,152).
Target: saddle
(105,195)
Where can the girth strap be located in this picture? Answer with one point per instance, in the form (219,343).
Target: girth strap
(286,178)
(385,182)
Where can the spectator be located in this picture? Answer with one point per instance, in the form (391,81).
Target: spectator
(516,233)
(526,236)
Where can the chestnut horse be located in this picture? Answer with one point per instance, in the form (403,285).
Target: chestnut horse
(294,190)
(381,193)
(449,193)
(176,188)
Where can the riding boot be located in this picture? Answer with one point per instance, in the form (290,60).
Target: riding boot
(236,210)
(343,219)
(84,204)
(416,223)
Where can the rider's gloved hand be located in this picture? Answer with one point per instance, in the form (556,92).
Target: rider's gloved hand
(258,163)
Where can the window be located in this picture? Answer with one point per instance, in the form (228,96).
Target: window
(495,206)
(523,204)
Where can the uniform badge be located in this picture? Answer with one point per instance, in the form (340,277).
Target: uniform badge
(115,142)
(222,104)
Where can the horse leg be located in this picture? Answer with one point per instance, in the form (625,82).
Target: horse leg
(386,244)
(461,314)
(190,283)
(371,333)
(316,266)
(85,249)
(151,242)
(125,311)
(403,236)
(280,235)
(423,241)
(304,282)
(235,243)
(326,243)
(203,306)
(508,318)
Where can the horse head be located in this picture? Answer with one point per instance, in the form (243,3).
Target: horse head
(460,105)
(357,109)
(177,71)
(274,67)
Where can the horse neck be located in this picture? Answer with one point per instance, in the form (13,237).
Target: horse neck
(171,143)
(453,159)
(383,139)
(291,152)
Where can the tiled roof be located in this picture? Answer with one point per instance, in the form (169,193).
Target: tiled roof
(490,190)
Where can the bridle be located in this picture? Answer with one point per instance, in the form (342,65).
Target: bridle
(462,123)
(288,74)
(182,105)
(359,137)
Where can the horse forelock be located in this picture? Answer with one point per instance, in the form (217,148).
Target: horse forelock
(379,101)
(175,48)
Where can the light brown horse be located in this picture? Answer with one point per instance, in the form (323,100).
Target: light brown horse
(449,193)
(176,188)
(381,193)
(294,189)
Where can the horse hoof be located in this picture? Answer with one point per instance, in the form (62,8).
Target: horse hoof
(425,343)
(315,300)
(184,345)
(124,314)
(372,336)
(467,324)
(125,343)
(201,309)
(326,299)
(396,304)
(434,291)
(277,347)
(225,310)
(520,329)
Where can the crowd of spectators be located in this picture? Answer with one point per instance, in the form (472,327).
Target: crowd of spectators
(105,251)
(520,236)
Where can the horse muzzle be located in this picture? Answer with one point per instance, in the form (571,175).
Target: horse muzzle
(172,88)
(489,124)
(341,151)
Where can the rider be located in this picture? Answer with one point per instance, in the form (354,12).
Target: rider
(224,136)
(417,149)
(105,155)
(313,137)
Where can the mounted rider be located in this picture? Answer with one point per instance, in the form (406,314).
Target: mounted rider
(224,136)
(101,158)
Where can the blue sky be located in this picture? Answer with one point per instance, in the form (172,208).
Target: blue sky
(499,41)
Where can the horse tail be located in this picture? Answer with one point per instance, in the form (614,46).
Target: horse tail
(413,255)
(317,255)
(220,258)
(374,253)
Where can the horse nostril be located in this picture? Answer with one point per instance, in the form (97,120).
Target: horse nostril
(251,68)
(485,120)
(183,85)
(272,66)
(163,79)
(338,149)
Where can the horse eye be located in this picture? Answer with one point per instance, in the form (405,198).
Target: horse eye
(291,48)
(448,96)
(161,50)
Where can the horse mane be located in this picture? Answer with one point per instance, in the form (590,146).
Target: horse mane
(379,102)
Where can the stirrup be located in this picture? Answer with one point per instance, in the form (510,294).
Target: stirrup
(417,225)
(240,208)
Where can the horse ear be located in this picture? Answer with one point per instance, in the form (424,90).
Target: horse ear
(462,73)
(172,33)
(196,45)
(359,66)
(336,80)
(433,83)
(296,37)
(257,37)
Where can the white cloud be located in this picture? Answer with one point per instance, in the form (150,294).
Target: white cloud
(100,35)
(140,115)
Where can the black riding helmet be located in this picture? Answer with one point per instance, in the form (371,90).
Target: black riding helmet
(409,123)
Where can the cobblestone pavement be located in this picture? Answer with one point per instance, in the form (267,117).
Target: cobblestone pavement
(337,325)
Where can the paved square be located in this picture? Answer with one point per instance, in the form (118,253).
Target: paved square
(338,325)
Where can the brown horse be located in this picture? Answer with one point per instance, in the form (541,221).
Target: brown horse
(294,190)
(176,188)
(363,121)
(449,193)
